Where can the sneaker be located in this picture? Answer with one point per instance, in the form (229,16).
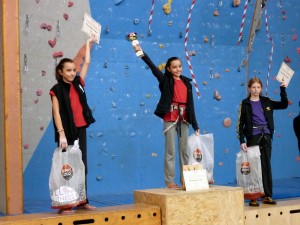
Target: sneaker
(268,200)
(253,203)
(173,186)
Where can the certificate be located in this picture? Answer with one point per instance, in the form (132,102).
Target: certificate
(285,74)
(195,178)
(91,27)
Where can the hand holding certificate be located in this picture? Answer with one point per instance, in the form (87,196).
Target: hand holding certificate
(285,74)
(91,27)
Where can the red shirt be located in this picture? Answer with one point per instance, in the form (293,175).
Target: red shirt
(180,96)
(76,105)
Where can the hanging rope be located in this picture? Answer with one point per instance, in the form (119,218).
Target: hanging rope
(186,49)
(243,22)
(150,18)
(272,49)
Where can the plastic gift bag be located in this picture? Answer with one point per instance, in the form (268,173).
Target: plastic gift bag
(248,173)
(67,178)
(201,151)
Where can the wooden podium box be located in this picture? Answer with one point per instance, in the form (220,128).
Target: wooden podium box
(218,205)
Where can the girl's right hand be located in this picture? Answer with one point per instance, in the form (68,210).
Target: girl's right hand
(63,143)
(243,147)
(137,48)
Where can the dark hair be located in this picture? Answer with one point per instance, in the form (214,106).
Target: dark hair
(60,67)
(168,63)
(254,80)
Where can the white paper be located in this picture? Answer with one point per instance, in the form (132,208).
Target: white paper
(195,179)
(91,27)
(285,74)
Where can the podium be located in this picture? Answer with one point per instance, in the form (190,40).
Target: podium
(214,206)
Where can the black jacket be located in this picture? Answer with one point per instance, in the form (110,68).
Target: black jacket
(62,90)
(166,87)
(245,126)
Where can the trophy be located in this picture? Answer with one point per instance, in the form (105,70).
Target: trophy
(133,38)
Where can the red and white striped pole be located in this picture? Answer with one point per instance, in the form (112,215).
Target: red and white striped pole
(150,18)
(272,49)
(186,49)
(243,22)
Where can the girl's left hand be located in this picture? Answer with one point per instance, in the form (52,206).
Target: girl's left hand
(283,84)
(92,39)
(197,132)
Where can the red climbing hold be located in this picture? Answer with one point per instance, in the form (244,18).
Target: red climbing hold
(70,4)
(52,43)
(58,54)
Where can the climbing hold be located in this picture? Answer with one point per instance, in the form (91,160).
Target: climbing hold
(236,3)
(98,178)
(226,151)
(42,128)
(43,26)
(216,13)
(70,4)
(192,53)
(167,7)
(217,95)
(290,102)
(204,82)
(36,101)
(117,2)
(287,60)
(206,39)
(161,67)
(37,1)
(66,16)
(58,54)
(294,37)
(154,154)
(298,50)
(136,21)
(284,17)
(227,70)
(216,76)
(43,72)
(170,23)
(39,92)
(26,146)
(220,163)
(148,95)
(52,43)
(227,122)
(49,27)
(180,34)
(161,46)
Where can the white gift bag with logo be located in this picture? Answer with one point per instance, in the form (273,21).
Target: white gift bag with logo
(67,178)
(201,151)
(248,173)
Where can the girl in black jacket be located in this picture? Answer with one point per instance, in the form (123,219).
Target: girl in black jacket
(176,108)
(256,124)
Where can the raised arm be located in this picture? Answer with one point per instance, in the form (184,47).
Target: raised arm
(155,71)
(87,57)
(283,103)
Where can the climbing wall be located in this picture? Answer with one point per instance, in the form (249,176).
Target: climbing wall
(126,145)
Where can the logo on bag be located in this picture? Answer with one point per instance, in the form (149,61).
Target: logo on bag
(197,154)
(245,168)
(66,172)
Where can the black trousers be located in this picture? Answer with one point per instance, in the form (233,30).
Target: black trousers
(265,146)
(83,147)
